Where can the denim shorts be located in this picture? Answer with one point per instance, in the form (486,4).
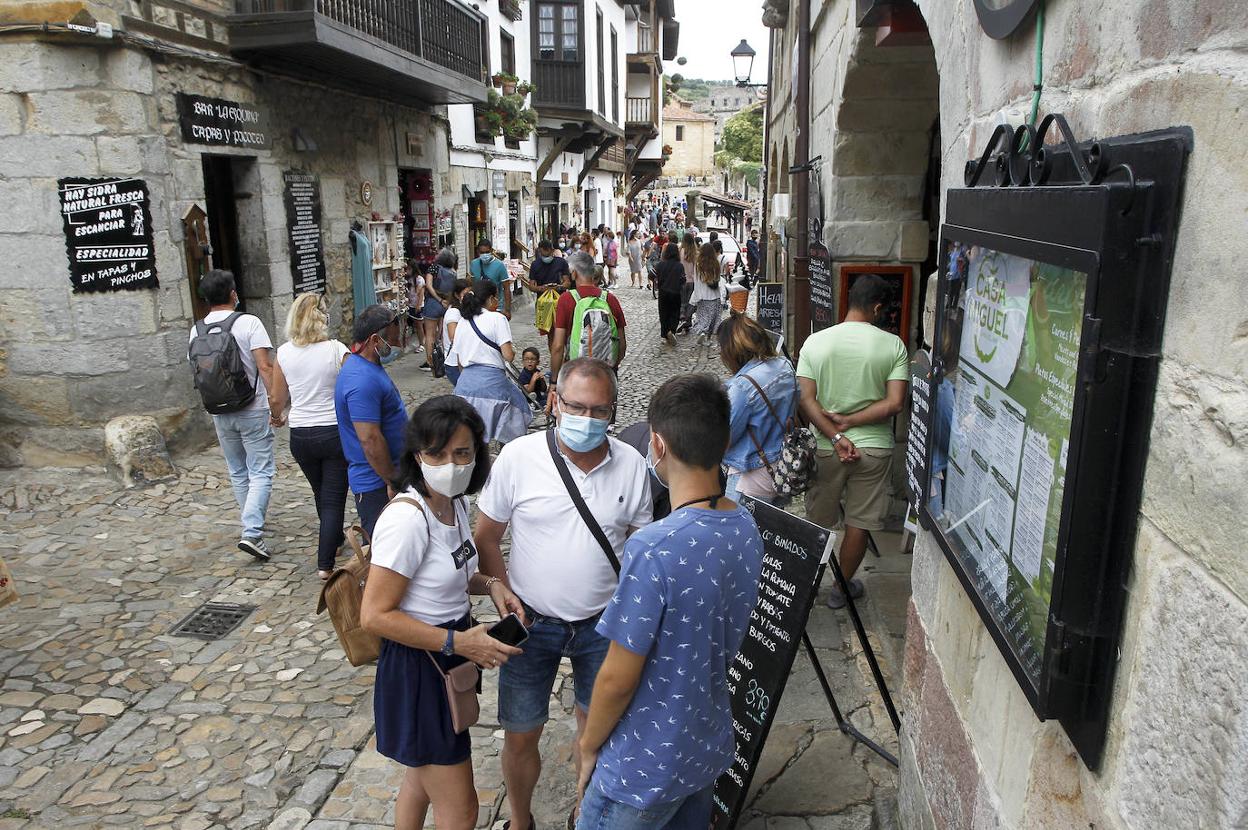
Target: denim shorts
(601,813)
(525,681)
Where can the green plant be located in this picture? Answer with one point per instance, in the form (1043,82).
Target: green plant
(501,78)
(506,115)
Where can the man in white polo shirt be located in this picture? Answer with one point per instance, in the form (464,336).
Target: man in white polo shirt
(558,567)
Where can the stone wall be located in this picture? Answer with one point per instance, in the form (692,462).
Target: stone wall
(694,155)
(69,362)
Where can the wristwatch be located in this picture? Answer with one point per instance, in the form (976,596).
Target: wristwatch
(836,439)
(448,648)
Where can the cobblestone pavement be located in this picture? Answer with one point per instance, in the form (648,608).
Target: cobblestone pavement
(106,720)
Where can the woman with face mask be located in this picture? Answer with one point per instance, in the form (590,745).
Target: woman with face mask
(424,566)
(483,350)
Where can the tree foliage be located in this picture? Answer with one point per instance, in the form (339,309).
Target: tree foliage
(743,135)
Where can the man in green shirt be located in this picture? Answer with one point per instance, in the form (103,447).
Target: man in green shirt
(853,379)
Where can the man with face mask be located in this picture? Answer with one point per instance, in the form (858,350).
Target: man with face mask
(371,415)
(558,566)
(548,276)
(489,267)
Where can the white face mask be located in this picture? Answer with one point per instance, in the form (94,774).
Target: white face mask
(449,479)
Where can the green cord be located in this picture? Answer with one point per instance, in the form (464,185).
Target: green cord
(1035,95)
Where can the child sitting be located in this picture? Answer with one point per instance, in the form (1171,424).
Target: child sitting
(532,378)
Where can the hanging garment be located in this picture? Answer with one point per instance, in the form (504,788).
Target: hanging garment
(362,288)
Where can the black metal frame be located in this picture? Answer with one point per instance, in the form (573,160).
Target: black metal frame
(1002,22)
(1109,209)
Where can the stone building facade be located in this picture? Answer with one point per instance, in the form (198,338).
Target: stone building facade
(726,100)
(691,135)
(888,120)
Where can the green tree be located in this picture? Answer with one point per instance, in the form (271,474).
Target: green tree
(743,135)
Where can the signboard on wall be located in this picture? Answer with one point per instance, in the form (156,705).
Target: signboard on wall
(221,123)
(792,551)
(899,279)
(770,306)
(821,307)
(108,234)
(303,229)
(500,233)
(916,437)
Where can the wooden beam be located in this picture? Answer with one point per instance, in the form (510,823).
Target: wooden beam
(640,185)
(561,144)
(598,153)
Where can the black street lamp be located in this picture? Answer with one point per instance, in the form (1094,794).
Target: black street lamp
(743,64)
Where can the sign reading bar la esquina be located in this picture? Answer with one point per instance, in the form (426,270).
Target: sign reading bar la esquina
(220,123)
(108,234)
(792,551)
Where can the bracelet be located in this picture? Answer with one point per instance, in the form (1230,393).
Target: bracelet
(491,581)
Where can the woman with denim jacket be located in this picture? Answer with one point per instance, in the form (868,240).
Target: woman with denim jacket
(757,429)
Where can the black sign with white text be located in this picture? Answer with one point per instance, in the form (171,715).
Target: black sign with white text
(220,123)
(916,440)
(303,227)
(770,311)
(108,234)
(792,551)
(822,310)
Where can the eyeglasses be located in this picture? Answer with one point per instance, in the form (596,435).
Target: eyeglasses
(580,409)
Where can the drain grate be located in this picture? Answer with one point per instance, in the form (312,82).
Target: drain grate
(212,620)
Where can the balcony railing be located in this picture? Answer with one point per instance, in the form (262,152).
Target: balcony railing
(559,84)
(645,39)
(639,110)
(369,41)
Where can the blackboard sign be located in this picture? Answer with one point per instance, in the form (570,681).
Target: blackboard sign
(220,123)
(896,314)
(821,308)
(770,311)
(108,234)
(916,440)
(793,549)
(303,225)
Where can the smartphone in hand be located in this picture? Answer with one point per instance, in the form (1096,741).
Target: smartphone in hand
(509,630)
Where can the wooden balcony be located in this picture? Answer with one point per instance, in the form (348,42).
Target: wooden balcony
(559,85)
(640,112)
(417,50)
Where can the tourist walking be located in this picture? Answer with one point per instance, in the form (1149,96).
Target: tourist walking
(853,379)
(634,259)
(763,396)
(482,348)
(489,267)
(439,285)
(706,292)
(304,377)
(233,375)
(611,256)
(589,321)
(548,276)
(670,280)
(557,566)
(688,258)
(370,412)
(424,567)
(687,587)
(450,321)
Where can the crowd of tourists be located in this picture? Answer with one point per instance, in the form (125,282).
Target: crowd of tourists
(629,556)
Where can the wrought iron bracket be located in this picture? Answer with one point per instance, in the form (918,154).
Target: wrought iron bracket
(1019,157)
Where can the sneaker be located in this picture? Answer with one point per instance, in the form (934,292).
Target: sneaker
(426,368)
(837,600)
(256,547)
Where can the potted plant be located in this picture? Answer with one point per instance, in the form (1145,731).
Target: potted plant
(524,88)
(506,82)
(506,115)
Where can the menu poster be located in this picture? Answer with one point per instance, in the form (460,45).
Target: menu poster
(770,306)
(822,311)
(303,228)
(1006,429)
(793,549)
(108,234)
(916,438)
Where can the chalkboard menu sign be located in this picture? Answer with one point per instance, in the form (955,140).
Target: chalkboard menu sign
(108,234)
(793,549)
(898,278)
(220,123)
(821,308)
(770,311)
(916,439)
(303,225)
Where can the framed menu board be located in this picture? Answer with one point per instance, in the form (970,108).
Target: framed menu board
(896,313)
(1047,344)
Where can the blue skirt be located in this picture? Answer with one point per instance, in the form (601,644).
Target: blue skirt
(410,708)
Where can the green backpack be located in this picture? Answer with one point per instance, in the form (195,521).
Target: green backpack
(593,329)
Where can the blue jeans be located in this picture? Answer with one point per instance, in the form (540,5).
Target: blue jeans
(368,506)
(526,680)
(247,441)
(601,813)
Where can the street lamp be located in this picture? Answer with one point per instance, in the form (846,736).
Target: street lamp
(743,64)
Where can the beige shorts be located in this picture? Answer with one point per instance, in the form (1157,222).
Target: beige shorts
(862,486)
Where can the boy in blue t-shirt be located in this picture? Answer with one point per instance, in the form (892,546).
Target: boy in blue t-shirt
(659,730)
(532,378)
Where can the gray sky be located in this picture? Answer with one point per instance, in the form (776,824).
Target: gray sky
(709,29)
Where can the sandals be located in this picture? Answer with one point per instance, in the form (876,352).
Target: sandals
(324,575)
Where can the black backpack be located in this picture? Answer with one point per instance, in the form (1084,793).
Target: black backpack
(217,367)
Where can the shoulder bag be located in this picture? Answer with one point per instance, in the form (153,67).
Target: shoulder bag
(579,501)
(795,469)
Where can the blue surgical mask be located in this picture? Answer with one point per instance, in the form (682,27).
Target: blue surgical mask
(487,257)
(652,464)
(581,433)
(548,259)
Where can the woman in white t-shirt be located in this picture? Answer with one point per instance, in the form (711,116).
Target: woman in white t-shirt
(451,321)
(424,567)
(483,350)
(304,375)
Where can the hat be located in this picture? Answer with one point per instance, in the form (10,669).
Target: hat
(370,321)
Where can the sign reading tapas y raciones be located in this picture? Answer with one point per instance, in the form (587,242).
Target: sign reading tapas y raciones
(108,234)
(220,123)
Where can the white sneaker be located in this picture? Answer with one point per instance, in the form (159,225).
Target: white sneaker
(256,547)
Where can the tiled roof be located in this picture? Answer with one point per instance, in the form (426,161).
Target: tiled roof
(672,112)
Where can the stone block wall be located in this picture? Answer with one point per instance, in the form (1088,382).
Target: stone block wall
(694,155)
(70,362)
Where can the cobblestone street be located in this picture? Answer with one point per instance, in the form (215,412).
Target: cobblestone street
(107,720)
